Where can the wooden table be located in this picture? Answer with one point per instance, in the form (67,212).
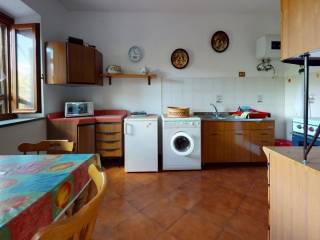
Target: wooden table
(35,190)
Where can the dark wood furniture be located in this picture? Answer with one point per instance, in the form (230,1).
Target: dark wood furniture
(68,63)
(102,133)
(299,27)
(109,139)
(236,141)
(82,134)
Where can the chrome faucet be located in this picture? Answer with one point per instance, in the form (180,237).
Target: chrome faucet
(215,109)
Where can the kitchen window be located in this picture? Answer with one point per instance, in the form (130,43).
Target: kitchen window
(19,67)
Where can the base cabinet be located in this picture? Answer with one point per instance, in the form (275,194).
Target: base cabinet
(293,194)
(224,142)
(109,140)
(86,137)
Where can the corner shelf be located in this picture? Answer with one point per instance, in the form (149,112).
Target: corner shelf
(148,76)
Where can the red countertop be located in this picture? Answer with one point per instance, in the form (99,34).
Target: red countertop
(99,116)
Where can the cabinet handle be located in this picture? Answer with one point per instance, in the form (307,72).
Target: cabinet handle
(109,149)
(214,134)
(107,133)
(107,141)
(239,134)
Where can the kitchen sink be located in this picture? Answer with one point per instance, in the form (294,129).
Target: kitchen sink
(210,115)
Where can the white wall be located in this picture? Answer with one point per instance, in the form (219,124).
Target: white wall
(209,74)
(12,136)
(294,83)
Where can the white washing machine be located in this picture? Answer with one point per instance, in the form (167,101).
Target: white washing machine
(181,143)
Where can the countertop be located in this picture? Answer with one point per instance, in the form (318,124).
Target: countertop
(209,118)
(296,154)
(100,116)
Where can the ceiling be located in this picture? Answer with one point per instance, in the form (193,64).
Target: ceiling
(15,8)
(209,6)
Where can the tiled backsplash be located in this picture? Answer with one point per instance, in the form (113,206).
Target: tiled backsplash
(227,93)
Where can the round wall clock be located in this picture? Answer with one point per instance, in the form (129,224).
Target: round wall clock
(180,58)
(135,54)
(220,41)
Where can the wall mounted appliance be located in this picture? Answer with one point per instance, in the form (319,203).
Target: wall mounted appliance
(141,143)
(181,143)
(78,109)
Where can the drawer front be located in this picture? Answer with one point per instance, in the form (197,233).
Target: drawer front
(214,126)
(111,145)
(108,136)
(237,126)
(111,153)
(264,125)
(104,127)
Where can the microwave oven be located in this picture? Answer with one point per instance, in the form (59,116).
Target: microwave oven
(78,109)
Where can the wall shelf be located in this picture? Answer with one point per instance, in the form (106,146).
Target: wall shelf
(148,76)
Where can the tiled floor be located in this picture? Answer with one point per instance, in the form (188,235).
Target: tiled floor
(222,204)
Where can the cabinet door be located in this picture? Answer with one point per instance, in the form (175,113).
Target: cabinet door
(86,139)
(213,147)
(237,146)
(56,63)
(75,63)
(260,138)
(89,69)
(99,67)
(299,27)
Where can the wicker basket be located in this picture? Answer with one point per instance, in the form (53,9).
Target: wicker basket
(178,112)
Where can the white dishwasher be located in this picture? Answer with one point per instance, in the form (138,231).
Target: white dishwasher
(141,143)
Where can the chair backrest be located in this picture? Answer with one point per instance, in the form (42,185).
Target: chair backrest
(81,224)
(49,146)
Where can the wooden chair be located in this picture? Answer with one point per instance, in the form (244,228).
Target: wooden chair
(79,226)
(48,146)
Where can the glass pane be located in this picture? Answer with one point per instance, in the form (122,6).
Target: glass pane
(25,69)
(2,106)
(3,58)
(3,67)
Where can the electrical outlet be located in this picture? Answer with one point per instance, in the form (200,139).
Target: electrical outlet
(260,99)
(242,74)
(312,99)
(219,99)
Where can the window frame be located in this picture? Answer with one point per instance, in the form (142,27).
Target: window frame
(8,22)
(35,28)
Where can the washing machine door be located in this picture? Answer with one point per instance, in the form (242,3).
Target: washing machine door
(182,144)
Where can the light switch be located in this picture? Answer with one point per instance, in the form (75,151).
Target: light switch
(219,99)
(260,98)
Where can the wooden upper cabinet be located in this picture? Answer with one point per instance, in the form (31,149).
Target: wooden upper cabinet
(73,64)
(300,20)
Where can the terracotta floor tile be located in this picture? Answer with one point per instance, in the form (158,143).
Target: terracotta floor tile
(192,226)
(184,198)
(166,236)
(225,235)
(255,209)
(247,228)
(223,203)
(164,212)
(138,227)
(113,212)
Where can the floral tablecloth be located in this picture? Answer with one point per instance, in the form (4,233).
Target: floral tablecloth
(35,189)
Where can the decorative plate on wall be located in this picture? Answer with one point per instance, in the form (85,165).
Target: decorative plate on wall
(220,41)
(180,58)
(135,54)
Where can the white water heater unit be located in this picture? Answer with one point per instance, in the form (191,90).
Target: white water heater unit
(268,47)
